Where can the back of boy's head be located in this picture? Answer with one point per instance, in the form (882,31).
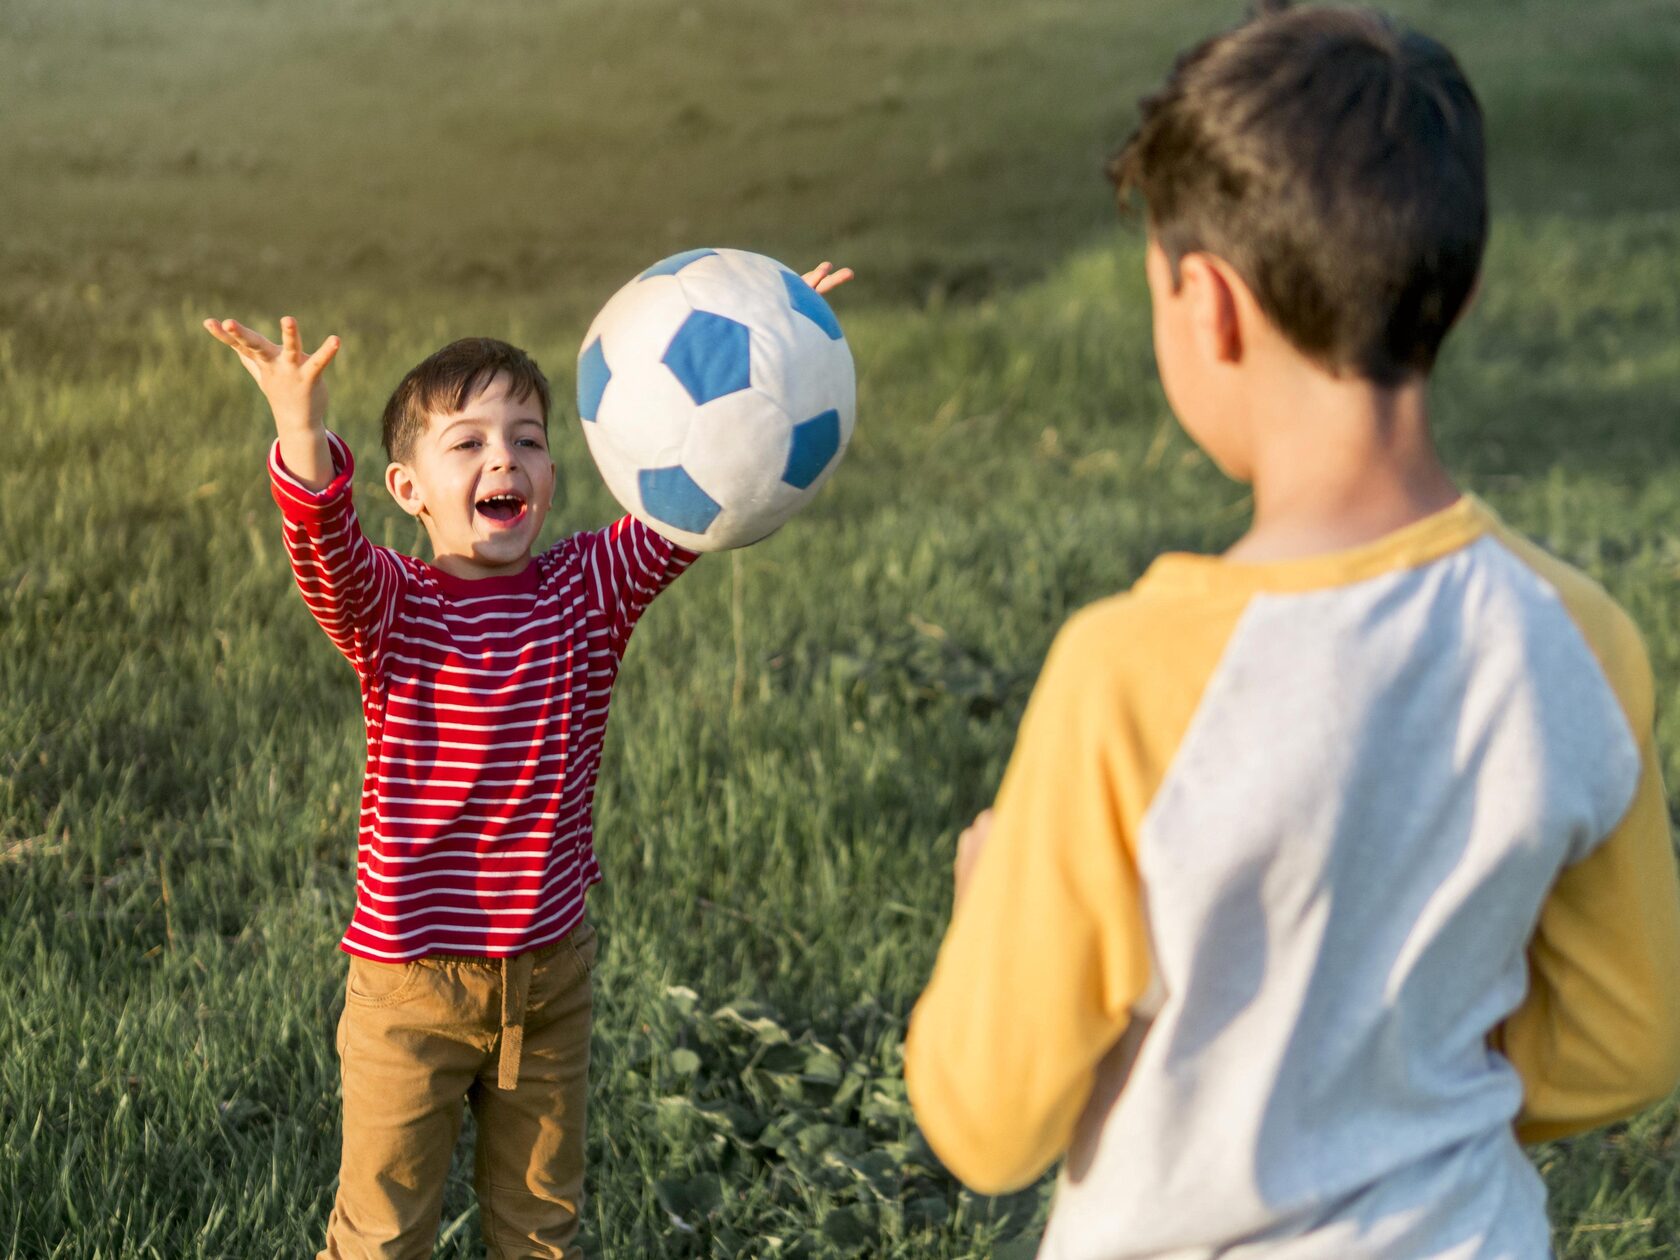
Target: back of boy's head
(447,380)
(1335,160)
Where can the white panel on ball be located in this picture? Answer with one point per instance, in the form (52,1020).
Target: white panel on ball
(831,384)
(644,414)
(739,284)
(718,394)
(741,441)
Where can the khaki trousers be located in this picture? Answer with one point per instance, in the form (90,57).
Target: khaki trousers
(508,1036)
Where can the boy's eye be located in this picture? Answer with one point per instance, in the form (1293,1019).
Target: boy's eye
(470,442)
(531,442)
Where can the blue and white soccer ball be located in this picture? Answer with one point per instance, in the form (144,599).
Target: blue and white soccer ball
(717,395)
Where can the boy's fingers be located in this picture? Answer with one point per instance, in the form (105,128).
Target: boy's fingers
(250,340)
(221,334)
(219,331)
(317,362)
(974,836)
(836,280)
(289,337)
(968,853)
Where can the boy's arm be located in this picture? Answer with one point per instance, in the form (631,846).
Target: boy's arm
(626,565)
(1598,1036)
(349,585)
(1046,952)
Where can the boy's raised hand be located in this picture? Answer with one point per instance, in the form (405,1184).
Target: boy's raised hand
(822,279)
(291,381)
(288,378)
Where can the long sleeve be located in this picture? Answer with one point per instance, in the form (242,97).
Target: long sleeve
(351,587)
(1597,1038)
(627,564)
(1047,951)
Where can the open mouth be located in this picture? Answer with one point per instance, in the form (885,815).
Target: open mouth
(504,509)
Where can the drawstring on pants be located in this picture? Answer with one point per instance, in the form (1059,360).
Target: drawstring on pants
(516,988)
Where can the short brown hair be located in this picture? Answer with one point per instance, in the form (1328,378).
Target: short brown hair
(447,380)
(1335,160)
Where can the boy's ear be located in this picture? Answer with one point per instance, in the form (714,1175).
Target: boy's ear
(1211,288)
(400,482)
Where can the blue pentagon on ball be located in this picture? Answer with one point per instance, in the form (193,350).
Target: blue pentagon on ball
(814,443)
(593,375)
(809,303)
(672,496)
(711,355)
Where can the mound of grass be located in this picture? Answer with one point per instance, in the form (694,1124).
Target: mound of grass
(181,751)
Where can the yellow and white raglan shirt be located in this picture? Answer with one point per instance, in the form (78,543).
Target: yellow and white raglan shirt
(1313,888)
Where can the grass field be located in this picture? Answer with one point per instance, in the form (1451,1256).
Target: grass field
(180,747)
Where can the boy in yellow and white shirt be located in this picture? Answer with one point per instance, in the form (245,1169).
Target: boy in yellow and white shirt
(1326,871)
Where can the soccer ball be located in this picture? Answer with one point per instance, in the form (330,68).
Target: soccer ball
(717,395)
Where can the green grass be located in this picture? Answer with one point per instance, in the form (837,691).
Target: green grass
(180,747)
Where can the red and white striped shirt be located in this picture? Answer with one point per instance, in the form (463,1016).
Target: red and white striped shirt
(486,703)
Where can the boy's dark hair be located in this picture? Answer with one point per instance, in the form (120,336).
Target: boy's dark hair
(1335,160)
(448,379)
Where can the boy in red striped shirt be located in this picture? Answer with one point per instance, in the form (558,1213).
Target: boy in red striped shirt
(485,679)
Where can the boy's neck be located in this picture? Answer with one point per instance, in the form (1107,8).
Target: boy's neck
(470,570)
(1338,463)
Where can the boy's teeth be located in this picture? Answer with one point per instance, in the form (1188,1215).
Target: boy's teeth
(501,506)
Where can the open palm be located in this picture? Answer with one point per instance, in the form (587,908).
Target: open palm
(291,380)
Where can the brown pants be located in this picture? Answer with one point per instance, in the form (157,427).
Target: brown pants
(511,1037)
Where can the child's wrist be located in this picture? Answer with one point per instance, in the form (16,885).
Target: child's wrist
(304,428)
